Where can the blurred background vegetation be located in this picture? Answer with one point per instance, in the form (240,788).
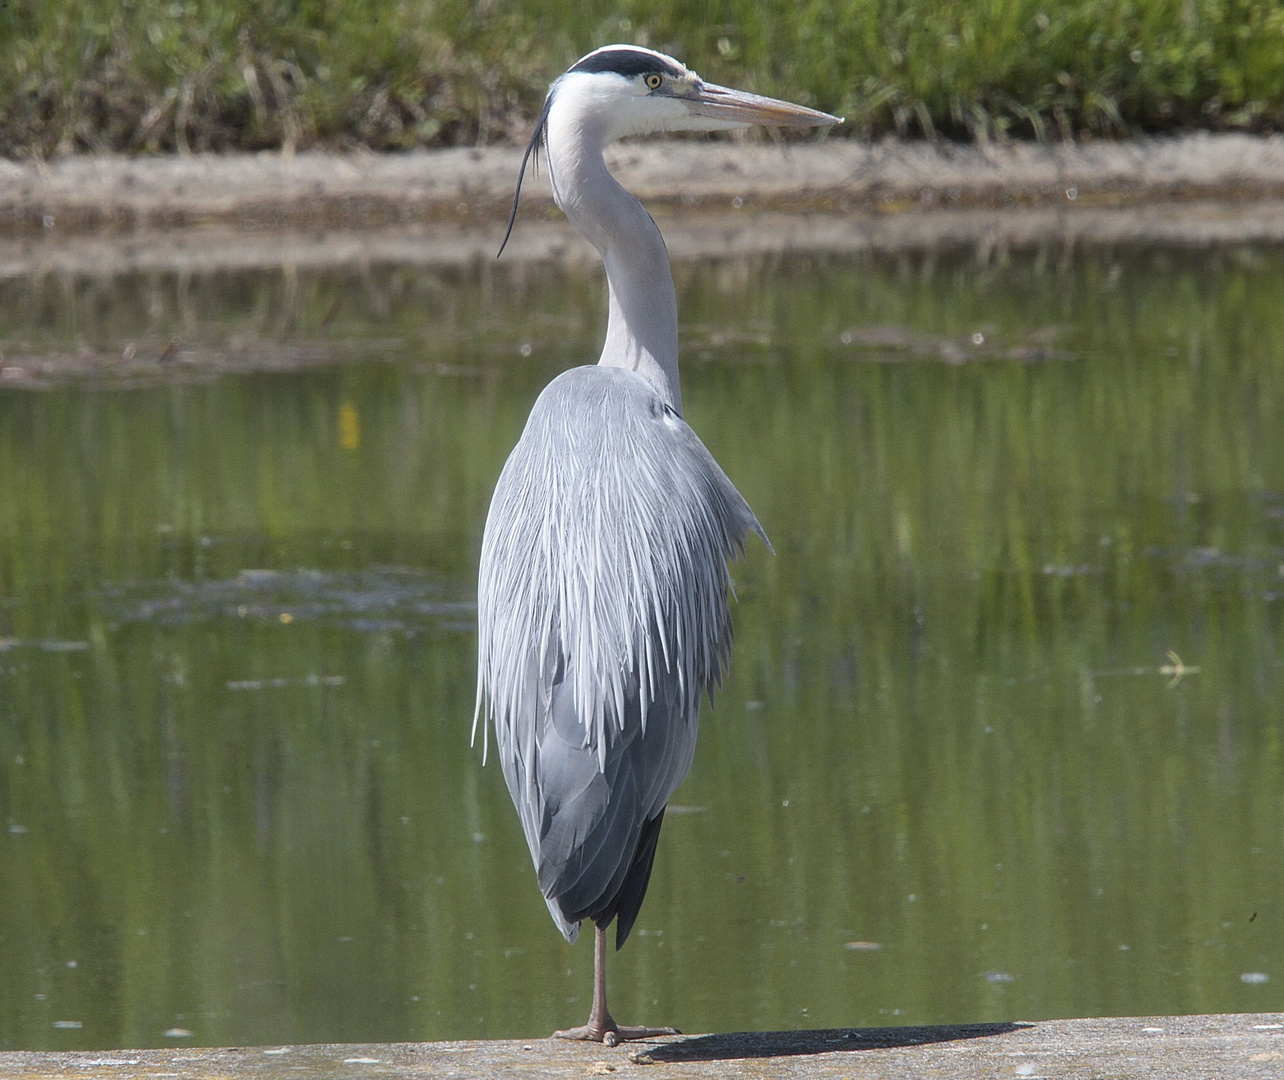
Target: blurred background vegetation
(194,75)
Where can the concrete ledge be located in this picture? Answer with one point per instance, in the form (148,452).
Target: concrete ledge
(1242,1046)
(316,190)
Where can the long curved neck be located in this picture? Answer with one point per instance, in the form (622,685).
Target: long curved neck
(642,329)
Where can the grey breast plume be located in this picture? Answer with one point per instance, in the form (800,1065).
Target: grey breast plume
(595,718)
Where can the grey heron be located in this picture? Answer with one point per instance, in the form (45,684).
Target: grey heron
(602,593)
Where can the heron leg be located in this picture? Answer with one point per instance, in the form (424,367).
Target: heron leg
(601,1026)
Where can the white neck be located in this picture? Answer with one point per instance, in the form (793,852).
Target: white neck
(642,330)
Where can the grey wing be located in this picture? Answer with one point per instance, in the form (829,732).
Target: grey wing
(602,617)
(588,822)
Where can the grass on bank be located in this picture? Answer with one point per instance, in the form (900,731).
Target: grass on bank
(163,75)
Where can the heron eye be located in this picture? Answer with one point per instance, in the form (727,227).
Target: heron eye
(653,81)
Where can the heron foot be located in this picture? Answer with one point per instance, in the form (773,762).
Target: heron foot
(612,1035)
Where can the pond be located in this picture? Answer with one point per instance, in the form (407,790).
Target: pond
(1002,736)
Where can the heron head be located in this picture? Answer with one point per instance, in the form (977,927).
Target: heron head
(621,90)
(628,90)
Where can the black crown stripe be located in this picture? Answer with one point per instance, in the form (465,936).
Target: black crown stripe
(626,62)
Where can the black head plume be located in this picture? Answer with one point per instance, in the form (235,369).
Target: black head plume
(531,147)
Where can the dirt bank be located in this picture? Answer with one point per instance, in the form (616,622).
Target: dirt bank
(474,186)
(721,234)
(99,217)
(105,215)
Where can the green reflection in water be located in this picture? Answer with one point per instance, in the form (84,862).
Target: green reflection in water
(236,667)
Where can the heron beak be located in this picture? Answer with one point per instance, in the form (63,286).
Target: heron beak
(736,106)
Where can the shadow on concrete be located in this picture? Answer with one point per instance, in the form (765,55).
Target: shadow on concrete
(767,1044)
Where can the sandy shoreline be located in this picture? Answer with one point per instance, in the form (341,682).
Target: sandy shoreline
(101,217)
(474,187)
(104,215)
(707,235)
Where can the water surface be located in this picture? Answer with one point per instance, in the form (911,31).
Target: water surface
(1001,737)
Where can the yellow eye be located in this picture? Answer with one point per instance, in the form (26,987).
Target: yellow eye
(653,81)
